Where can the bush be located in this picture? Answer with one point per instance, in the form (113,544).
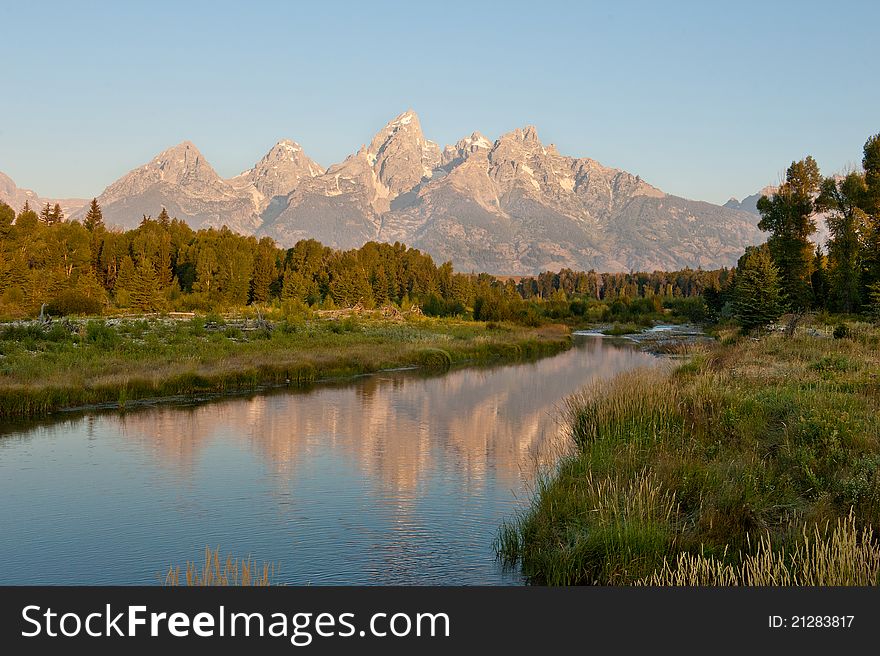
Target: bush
(291,326)
(435,306)
(692,308)
(841,331)
(20,333)
(71,301)
(529,316)
(347,325)
(435,359)
(491,307)
(196,327)
(100,334)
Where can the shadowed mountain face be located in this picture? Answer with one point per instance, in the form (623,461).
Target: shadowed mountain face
(513,206)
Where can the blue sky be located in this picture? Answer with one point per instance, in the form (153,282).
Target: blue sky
(703,101)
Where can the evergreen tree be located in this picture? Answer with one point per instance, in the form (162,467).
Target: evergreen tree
(46,214)
(163,219)
(788,217)
(757,299)
(146,294)
(874,300)
(57,215)
(294,286)
(27,220)
(819,280)
(125,282)
(265,271)
(7,218)
(94,219)
(871,166)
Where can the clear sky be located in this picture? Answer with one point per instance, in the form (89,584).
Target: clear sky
(705,100)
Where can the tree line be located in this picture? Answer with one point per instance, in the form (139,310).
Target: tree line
(788,272)
(73,267)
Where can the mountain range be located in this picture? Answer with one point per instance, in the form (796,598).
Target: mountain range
(16,197)
(508,206)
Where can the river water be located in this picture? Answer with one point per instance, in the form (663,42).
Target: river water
(395,478)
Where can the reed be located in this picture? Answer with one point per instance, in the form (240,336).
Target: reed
(842,556)
(215,571)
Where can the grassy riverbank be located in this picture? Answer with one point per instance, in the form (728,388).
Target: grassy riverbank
(742,465)
(45,369)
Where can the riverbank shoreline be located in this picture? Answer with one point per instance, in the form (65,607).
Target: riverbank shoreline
(93,365)
(682,474)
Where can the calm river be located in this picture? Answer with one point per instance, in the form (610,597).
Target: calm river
(395,478)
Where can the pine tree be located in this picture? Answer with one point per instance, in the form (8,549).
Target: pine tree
(757,299)
(7,218)
(146,293)
(294,287)
(265,271)
(27,220)
(874,300)
(94,219)
(125,282)
(57,215)
(46,214)
(164,219)
(819,280)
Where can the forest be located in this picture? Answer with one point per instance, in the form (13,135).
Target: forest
(791,273)
(164,265)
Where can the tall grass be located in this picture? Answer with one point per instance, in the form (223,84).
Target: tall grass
(847,556)
(748,439)
(623,520)
(214,571)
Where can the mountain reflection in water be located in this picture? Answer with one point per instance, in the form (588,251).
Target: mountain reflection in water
(395,478)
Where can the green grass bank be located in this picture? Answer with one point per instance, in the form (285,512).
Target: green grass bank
(47,369)
(756,462)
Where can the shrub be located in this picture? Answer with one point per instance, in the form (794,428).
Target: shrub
(491,307)
(692,308)
(71,301)
(196,327)
(435,306)
(346,325)
(841,331)
(100,334)
(435,359)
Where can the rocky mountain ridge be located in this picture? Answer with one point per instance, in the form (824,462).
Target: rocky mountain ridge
(509,206)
